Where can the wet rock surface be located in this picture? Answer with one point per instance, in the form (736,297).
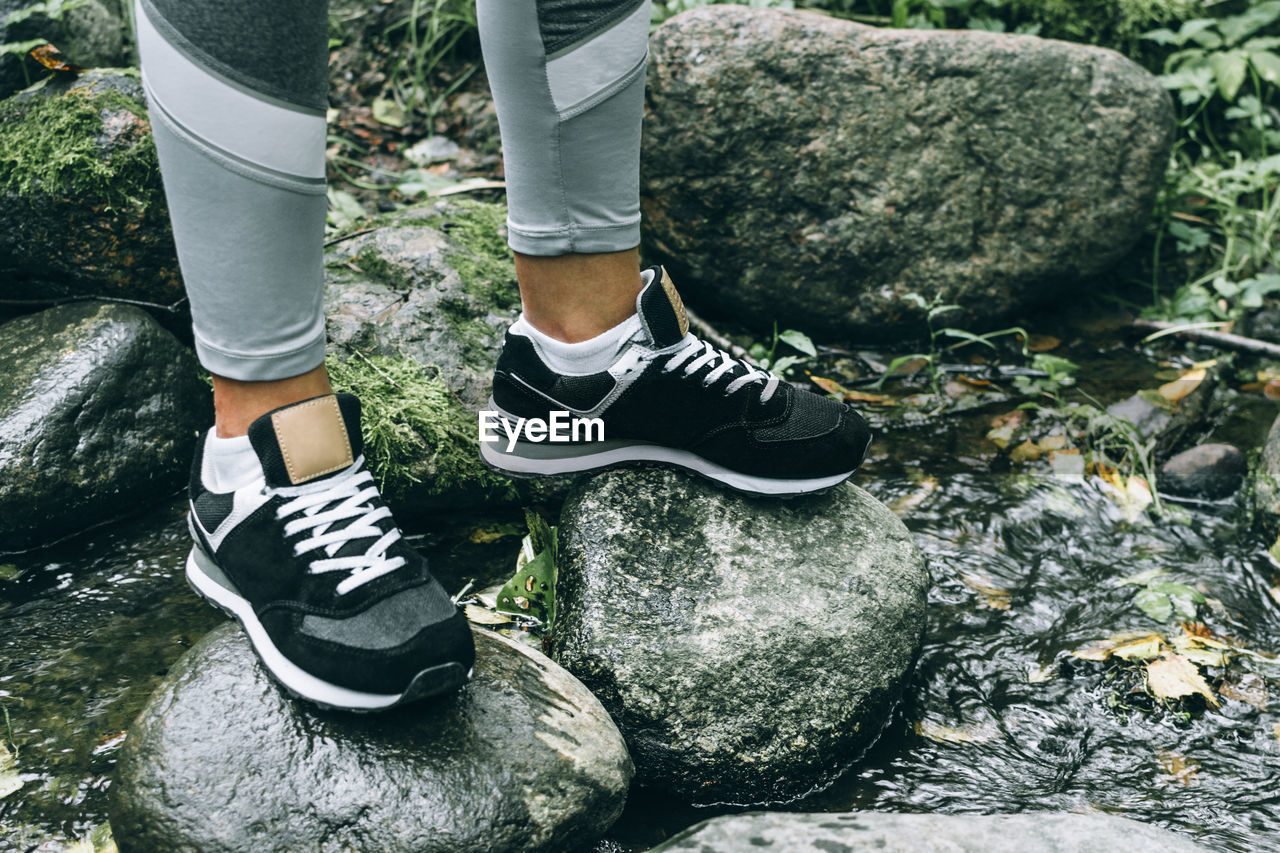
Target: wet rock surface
(99,408)
(747,648)
(925,833)
(524,758)
(432,287)
(1209,471)
(434,284)
(82,210)
(1266,484)
(812,171)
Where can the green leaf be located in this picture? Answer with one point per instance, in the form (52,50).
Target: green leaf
(1179,589)
(419,182)
(21,47)
(967,336)
(1267,65)
(1237,27)
(531,592)
(388,112)
(1164,35)
(1154,604)
(1229,68)
(781,365)
(798,340)
(344,210)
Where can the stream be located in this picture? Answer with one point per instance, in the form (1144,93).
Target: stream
(998,717)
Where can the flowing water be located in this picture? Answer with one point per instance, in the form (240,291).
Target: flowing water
(998,717)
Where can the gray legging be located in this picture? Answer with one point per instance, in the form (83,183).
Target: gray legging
(237,95)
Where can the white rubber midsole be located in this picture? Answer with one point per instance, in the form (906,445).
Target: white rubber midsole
(518,464)
(296,679)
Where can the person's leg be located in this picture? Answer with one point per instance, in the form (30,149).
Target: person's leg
(568,82)
(290,533)
(598,337)
(237,95)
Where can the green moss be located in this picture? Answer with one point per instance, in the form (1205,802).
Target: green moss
(53,145)
(416,433)
(487,269)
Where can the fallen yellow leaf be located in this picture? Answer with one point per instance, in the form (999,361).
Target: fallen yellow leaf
(1173,676)
(1144,648)
(1025,452)
(1182,386)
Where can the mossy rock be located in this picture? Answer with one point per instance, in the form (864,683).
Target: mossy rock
(416,309)
(82,209)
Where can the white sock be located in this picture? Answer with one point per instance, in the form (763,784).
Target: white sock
(229,463)
(584,357)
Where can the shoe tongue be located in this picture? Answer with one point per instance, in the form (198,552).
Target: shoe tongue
(309,440)
(661,310)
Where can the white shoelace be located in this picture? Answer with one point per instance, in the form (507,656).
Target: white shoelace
(707,354)
(347,495)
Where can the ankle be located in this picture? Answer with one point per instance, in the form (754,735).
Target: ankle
(238,403)
(574,298)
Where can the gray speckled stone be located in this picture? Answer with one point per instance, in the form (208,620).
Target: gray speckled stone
(809,170)
(1211,471)
(925,833)
(748,649)
(99,411)
(1266,484)
(522,759)
(396,291)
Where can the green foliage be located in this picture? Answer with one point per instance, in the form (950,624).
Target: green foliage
(1163,599)
(531,592)
(487,268)
(52,11)
(48,144)
(770,360)
(431,34)
(415,430)
(1220,206)
(934,309)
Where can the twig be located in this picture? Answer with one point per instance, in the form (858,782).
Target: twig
(718,339)
(64,300)
(353,234)
(1225,340)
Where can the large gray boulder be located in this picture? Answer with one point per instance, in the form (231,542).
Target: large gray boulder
(416,308)
(926,833)
(748,649)
(522,759)
(82,210)
(99,412)
(813,171)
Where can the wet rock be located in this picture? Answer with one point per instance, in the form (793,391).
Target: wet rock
(813,171)
(915,833)
(99,409)
(1266,487)
(435,284)
(91,33)
(82,210)
(432,289)
(1209,471)
(1171,424)
(523,758)
(747,648)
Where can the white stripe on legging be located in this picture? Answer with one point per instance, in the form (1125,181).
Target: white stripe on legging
(227,117)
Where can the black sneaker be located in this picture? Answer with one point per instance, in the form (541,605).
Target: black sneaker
(672,398)
(340,610)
